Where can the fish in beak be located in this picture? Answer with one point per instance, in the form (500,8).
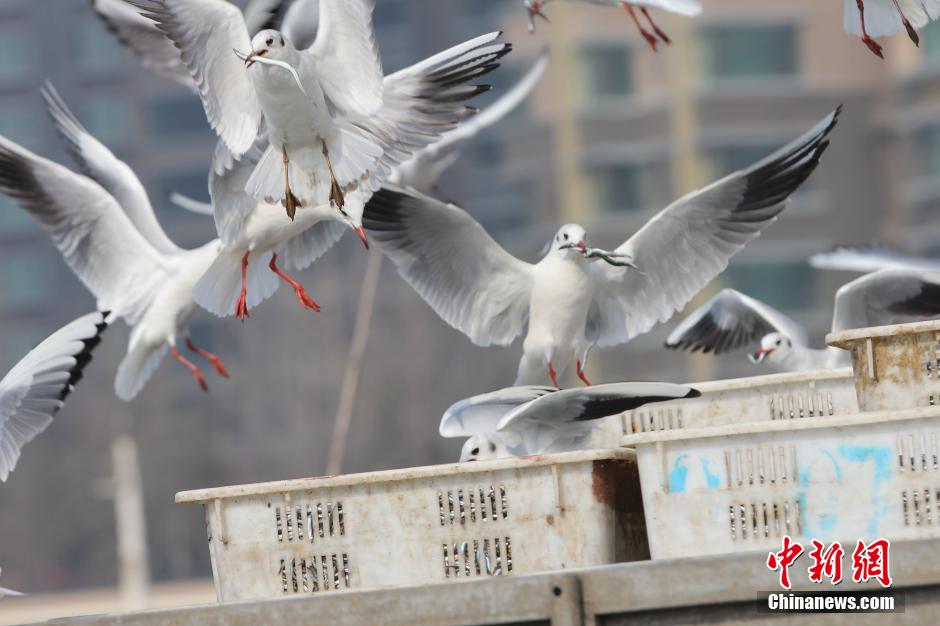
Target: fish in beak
(250,59)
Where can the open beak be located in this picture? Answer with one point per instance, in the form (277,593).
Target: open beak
(250,59)
(760,354)
(582,247)
(362,235)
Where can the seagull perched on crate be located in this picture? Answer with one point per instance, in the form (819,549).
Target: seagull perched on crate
(732,320)
(884,18)
(577,296)
(104,226)
(688,8)
(36,388)
(519,421)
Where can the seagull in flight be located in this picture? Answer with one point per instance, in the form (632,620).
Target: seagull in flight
(578,296)
(313,105)
(420,103)
(866,259)
(298,18)
(36,388)
(884,18)
(519,421)
(105,228)
(732,320)
(689,8)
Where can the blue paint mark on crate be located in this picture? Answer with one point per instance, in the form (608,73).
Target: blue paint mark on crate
(678,475)
(880,457)
(711,478)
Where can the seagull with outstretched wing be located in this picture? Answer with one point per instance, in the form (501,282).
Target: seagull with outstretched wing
(577,297)
(519,421)
(732,321)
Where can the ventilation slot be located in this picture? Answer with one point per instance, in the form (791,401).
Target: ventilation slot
(762,520)
(800,405)
(478,557)
(918,452)
(759,466)
(309,522)
(473,505)
(651,420)
(315,573)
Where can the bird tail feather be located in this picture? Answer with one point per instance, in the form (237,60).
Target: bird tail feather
(138,365)
(218,289)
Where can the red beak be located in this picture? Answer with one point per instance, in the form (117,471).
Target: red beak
(362,236)
(760,354)
(582,247)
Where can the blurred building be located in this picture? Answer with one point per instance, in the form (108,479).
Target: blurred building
(612,135)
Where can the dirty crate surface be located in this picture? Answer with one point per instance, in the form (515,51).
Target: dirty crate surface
(896,367)
(739,488)
(423,525)
(793,395)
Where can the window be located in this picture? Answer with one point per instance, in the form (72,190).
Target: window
(749,51)
(616,187)
(606,72)
(96,49)
(14,221)
(178,117)
(787,285)
(931,147)
(192,184)
(732,158)
(18,52)
(28,277)
(106,117)
(930,41)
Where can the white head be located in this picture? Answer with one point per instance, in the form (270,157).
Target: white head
(270,44)
(569,241)
(482,447)
(351,215)
(775,348)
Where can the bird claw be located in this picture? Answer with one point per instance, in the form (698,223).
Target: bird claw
(874,46)
(306,300)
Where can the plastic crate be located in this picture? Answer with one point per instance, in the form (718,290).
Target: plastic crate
(896,367)
(795,395)
(743,487)
(423,525)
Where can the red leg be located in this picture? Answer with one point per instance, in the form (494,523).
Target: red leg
(305,300)
(646,35)
(551,372)
(241,307)
(873,45)
(910,29)
(656,28)
(215,360)
(200,380)
(582,376)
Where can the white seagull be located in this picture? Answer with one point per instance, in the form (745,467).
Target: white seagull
(36,388)
(8,592)
(570,299)
(419,103)
(298,18)
(688,8)
(124,259)
(732,320)
(884,18)
(315,106)
(870,259)
(519,421)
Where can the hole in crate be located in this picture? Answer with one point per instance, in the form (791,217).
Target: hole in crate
(477,557)
(762,520)
(320,519)
(346,569)
(310,522)
(300,524)
(282,572)
(460,505)
(502,500)
(339,513)
(289,524)
(335,572)
(557,591)
(329,516)
(277,523)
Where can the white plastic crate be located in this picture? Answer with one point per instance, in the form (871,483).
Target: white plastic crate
(896,367)
(423,525)
(743,487)
(794,395)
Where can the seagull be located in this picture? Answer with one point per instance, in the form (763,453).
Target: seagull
(36,388)
(884,18)
(316,115)
(425,168)
(519,421)
(8,592)
(577,297)
(150,45)
(870,259)
(419,104)
(688,8)
(105,229)
(732,320)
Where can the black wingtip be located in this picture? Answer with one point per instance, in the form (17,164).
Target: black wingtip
(693,393)
(83,358)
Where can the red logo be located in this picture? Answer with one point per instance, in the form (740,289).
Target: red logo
(871,561)
(784,559)
(827,562)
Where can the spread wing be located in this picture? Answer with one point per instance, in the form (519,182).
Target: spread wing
(88,227)
(690,242)
(345,56)
(100,164)
(869,259)
(206,32)
(582,404)
(732,320)
(301,23)
(453,264)
(481,413)
(35,389)
(886,297)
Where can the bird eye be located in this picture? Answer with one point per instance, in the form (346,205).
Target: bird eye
(492,447)
(566,236)
(475,451)
(269,41)
(778,342)
(282,41)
